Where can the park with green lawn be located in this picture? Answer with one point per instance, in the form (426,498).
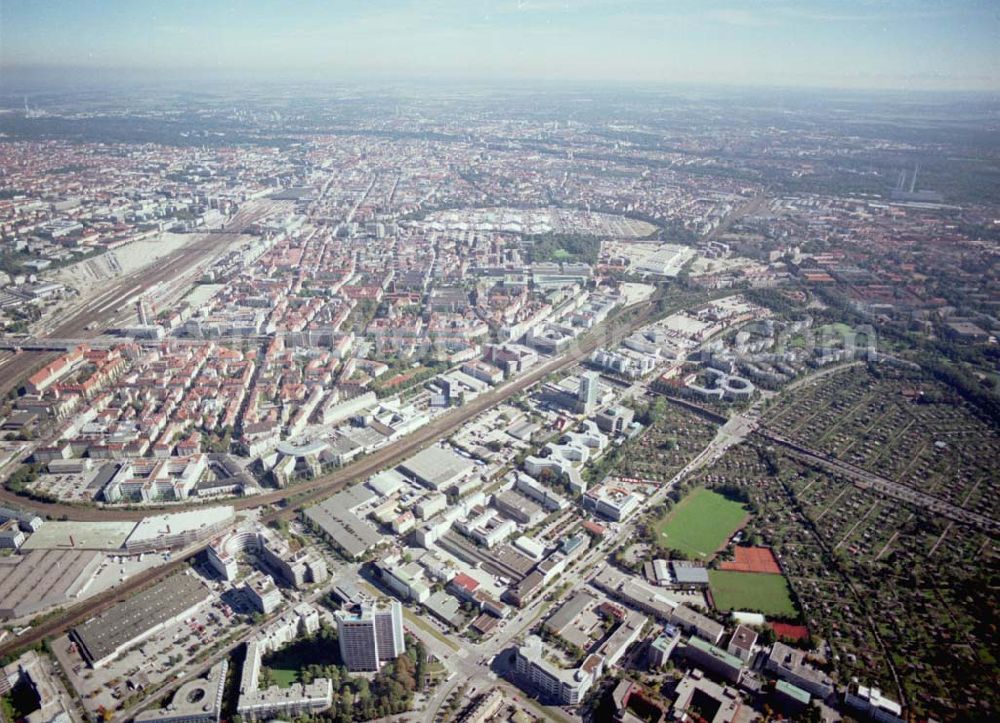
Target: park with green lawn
(285,667)
(356,697)
(700,524)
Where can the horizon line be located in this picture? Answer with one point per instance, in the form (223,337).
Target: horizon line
(131,75)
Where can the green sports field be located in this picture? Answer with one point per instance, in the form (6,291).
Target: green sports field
(752,591)
(700,524)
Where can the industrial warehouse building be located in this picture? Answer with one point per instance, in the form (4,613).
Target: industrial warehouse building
(41,579)
(335,519)
(437,467)
(103,638)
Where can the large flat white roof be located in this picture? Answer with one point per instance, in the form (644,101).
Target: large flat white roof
(79,536)
(173,523)
(437,466)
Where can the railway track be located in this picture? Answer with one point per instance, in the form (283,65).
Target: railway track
(170,267)
(325,485)
(294,499)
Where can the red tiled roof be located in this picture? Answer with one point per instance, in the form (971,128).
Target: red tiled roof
(464,581)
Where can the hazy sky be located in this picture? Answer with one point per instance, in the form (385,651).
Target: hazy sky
(915,44)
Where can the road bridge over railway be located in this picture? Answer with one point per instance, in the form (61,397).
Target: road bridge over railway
(285,503)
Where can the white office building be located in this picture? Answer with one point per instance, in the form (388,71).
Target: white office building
(371,637)
(588,392)
(567,686)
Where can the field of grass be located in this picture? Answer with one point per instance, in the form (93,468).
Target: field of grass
(284,677)
(700,524)
(286,663)
(754,591)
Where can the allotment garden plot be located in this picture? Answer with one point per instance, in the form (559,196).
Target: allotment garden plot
(888,586)
(901,425)
(672,439)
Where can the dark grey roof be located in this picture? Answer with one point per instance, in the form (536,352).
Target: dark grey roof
(101,636)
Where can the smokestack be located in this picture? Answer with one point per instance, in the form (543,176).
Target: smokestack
(72,543)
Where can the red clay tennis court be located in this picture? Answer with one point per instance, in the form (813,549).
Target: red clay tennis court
(752,559)
(790,632)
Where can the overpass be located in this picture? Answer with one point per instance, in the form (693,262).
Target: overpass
(43,344)
(285,503)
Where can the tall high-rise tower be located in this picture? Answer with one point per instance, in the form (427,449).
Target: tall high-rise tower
(371,637)
(587,393)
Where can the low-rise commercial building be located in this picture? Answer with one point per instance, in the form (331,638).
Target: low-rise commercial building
(519,508)
(615,503)
(445,608)
(404,579)
(789,664)
(431,505)
(569,611)
(197,701)
(530,487)
(627,632)
(694,622)
(530,547)
(715,660)
(520,593)
(262,593)
(688,575)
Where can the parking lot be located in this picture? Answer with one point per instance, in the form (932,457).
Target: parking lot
(166,654)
